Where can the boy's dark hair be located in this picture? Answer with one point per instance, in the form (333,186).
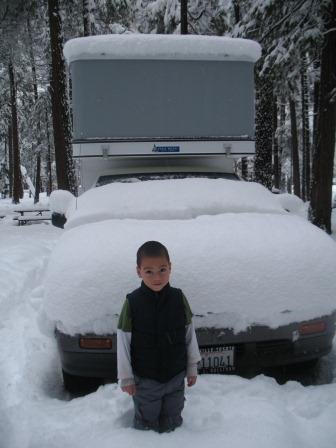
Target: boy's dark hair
(151,249)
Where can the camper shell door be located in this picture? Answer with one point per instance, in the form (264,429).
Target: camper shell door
(162,96)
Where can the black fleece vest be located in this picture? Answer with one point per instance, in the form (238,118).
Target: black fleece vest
(158,345)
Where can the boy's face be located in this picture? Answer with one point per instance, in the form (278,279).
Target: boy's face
(155,272)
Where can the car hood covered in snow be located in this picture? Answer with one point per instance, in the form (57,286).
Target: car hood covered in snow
(237,266)
(170,199)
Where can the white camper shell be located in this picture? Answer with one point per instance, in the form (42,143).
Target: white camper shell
(161,103)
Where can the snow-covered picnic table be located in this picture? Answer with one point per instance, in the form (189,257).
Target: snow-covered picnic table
(32,214)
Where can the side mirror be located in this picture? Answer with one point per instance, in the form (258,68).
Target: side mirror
(60,202)
(58,220)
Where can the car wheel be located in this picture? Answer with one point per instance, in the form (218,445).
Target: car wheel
(305,372)
(80,385)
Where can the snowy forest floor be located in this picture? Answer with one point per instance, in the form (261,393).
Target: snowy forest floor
(36,412)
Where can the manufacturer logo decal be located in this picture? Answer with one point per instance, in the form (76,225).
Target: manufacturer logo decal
(166,148)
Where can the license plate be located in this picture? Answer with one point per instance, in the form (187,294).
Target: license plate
(217,359)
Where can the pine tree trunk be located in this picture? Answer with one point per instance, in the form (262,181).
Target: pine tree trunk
(244,168)
(184,16)
(38,124)
(244,160)
(59,102)
(276,163)
(38,178)
(236,10)
(6,152)
(88,28)
(86,19)
(49,184)
(10,160)
(316,101)
(305,133)
(17,177)
(295,149)
(321,193)
(32,60)
(282,140)
(264,134)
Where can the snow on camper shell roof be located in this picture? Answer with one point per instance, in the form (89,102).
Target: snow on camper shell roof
(156,46)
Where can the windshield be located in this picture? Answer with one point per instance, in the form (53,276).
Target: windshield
(138,177)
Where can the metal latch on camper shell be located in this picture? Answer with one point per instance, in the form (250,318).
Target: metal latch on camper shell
(227,148)
(105,151)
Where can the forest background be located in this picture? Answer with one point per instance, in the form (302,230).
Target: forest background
(295,85)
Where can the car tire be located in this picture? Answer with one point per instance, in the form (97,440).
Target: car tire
(80,385)
(305,372)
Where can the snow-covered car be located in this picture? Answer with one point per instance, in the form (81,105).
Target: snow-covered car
(260,280)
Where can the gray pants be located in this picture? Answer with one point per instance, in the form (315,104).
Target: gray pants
(157,405)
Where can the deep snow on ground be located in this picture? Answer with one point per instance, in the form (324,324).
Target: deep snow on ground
(35,412)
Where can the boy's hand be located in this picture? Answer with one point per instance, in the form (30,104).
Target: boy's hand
(130,390)
(191,380)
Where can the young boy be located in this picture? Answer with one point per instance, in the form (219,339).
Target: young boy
(157,345)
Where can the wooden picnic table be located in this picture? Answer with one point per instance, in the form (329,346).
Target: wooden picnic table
(38,210)
(32,215)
